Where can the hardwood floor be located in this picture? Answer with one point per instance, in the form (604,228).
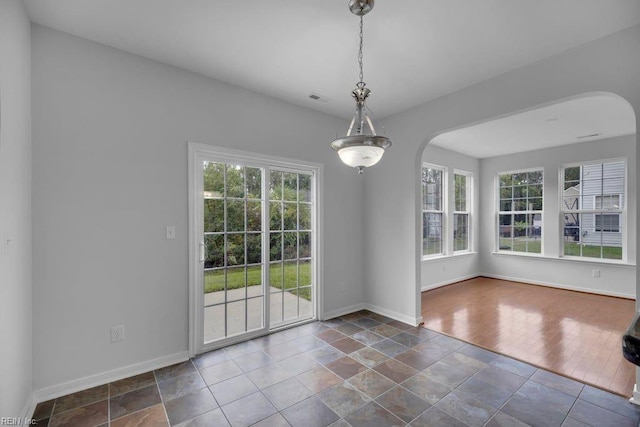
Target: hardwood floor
(574,334)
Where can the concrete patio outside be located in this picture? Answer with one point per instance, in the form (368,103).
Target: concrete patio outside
(281,302)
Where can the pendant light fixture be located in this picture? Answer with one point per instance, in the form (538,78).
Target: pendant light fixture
(361,147)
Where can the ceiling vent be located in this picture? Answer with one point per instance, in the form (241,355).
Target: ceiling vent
(317,97)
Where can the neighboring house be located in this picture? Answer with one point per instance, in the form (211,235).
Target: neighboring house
(571,202)
(601,188)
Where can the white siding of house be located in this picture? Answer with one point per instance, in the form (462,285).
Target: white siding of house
(598,180)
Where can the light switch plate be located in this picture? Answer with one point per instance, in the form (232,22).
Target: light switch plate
(171,232)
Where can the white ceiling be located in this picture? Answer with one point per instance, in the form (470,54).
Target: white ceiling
(415,50)
(571,121)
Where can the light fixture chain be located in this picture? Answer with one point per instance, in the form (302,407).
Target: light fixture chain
(360,51)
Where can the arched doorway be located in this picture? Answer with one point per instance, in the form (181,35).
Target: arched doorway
(523,237)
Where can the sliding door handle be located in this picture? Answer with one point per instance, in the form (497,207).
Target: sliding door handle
(203,251)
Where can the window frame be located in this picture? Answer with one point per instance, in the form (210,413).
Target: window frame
(512,212)
(595,211)
(467,211)
(197,153)
(443,211)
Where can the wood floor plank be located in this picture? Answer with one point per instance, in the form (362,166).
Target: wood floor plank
(574,334)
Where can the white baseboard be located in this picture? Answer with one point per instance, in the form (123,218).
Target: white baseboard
(55,391)
(448,282)
(29,407)
(342,311)
(558,286)
(635,399)
(394,315)
(379,310)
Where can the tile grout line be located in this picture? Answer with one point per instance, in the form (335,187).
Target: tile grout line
(164,408)
(208,387)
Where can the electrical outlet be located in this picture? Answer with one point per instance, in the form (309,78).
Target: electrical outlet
(595,273)
(117,333)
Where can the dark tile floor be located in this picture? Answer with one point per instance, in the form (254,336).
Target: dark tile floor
(362,369)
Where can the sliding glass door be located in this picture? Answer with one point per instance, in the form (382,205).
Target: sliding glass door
(254,233)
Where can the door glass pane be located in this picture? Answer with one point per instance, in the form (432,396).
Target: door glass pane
(292,282)
(305,216)
(213,215)
(214,244)
(235,215)
(254,216)
(236,318)
(304,245)
(254,248)
(233,242)
(306,309)
(235,249)
(236,283)
(254,281)
(304,273)
(254,183)
(214,323)
(213,287)
(275,275)
(304,188)
(275,248)
(235,181)
(275,307)
(275,215)
(235,231)
(290,214)
(290,187)
(290,274)
(254,313)
(275,187)
(290,246)
(213,179)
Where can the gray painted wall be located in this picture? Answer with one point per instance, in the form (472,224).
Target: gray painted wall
(439,271)
(15,211)
(110,132)
(392,189)
(618,280)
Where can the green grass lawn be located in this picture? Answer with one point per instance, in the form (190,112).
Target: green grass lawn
(286,277)
(608,252)
(570,248)
(521,245)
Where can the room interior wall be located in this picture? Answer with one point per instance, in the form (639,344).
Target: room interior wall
(615,279)
(15,211)
(392,189)
(110,134)
(442,270)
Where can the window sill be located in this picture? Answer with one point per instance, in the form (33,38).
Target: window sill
(568,259)
(448,256)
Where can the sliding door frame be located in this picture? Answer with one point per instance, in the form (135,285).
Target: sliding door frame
(197,153)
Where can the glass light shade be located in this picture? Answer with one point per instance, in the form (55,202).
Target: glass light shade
(360,155)
(361,151)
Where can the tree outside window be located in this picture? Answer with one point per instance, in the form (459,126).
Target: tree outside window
(520,211)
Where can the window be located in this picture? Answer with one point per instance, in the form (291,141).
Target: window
(432,210)
(608,222)
(461,211)
(593,210)
(520,211)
